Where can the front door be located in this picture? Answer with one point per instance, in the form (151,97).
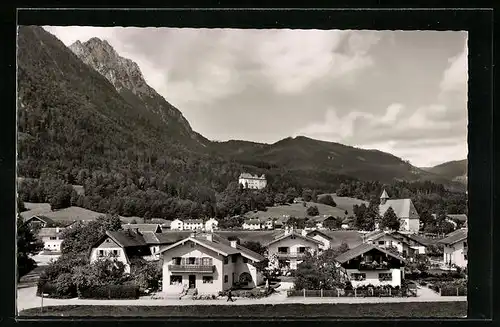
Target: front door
(192,281)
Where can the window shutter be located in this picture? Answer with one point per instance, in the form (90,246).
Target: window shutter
(197,261)
(183,261)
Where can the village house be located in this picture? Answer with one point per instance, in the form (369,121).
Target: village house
(177,224)
(208,263)
(155,228)
(211,224)
(39,222)
(193,224)
(405,244)
(458,220)
(126,245)
(290,247)
(368,264)
(51,238)
(322,237)
(252,181)
(252,224)
(323,221)
(455,248)
(404,210)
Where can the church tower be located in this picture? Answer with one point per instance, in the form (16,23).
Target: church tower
(383,197)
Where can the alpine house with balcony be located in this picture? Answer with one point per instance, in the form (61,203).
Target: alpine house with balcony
(208,263)
(368,264)
(291,247)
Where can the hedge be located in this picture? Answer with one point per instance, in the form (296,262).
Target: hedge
(110,292)
(454,291)
(52,291)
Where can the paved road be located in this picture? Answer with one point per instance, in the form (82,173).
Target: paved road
(28,299)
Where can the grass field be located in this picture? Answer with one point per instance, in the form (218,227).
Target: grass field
(296,210)
(392,310)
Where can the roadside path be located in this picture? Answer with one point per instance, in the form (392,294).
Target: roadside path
(27,299)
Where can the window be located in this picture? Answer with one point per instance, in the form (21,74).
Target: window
(234,258)
(115,252)
(177,261)
(302,249)
(381,242)
(358,276)
(191,260)
(282,250)
(385,277)
(226,260)
(245,260)
(226,279)
(175,280)
(208,280)
(206,261)
(101,253)
(53,238)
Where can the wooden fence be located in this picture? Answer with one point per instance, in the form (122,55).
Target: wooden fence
(373,292)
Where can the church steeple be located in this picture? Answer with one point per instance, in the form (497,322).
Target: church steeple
(383,197)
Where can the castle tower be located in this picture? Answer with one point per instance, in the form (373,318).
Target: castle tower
(383,197)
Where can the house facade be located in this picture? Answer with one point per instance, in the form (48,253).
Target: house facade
(51,238)
(211,224)
(322,237)
(404,210)
(368,264)
(406,245)
(291,248)
(208,263)
(193,224)
(252,224)
(252,181)
(455,248)
(177,224)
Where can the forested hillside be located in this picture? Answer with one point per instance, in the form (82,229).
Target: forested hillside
(75,127)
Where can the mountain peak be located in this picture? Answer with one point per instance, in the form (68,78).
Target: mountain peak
(121,72)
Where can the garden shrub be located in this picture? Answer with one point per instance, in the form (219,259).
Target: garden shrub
(110,292)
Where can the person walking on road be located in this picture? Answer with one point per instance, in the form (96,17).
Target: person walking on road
(229,296)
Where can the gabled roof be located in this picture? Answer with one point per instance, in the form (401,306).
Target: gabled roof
(454,237)
(459,217)
(320,219)
(127,238)
(384,195)
(317,232)
(285,235)
(218,244)
(143,227)
(40,218)
(375,235)
(193,221)
(250,176)
(150,238)
(403,208)
(49,232)
(361,249)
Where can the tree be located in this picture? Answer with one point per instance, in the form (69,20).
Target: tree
(327,199)
(359,215)
(20,205)
(82,236)
(312,211)
(298,223)
(279,198)
(255,247)
(314,196)
(62,199)
(318,273)
(307,194)
(27,245)
(390,220)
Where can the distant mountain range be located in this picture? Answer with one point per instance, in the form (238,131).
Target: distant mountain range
(452,170)
(86,107)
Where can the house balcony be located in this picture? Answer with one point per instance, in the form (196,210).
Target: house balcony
(291,255)
(192,268)
(373,266)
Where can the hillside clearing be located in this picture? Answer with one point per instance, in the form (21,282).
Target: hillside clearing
(296,210)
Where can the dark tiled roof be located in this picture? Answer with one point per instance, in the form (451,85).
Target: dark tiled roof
(454,237)
(284,235)
(317,232)
(361,249)
(127,238)
(143,227)
(193,221)
(253,222)
(172,237)
(150,238)
(403,208)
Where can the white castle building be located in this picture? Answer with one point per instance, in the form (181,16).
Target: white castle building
(252,181)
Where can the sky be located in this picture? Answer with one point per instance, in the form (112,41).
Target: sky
(402,92)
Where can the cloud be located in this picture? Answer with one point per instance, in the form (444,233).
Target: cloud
(456,75)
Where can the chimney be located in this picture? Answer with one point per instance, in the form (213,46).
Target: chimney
(210,237)
(234,243)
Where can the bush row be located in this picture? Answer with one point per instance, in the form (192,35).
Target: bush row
(97,292)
